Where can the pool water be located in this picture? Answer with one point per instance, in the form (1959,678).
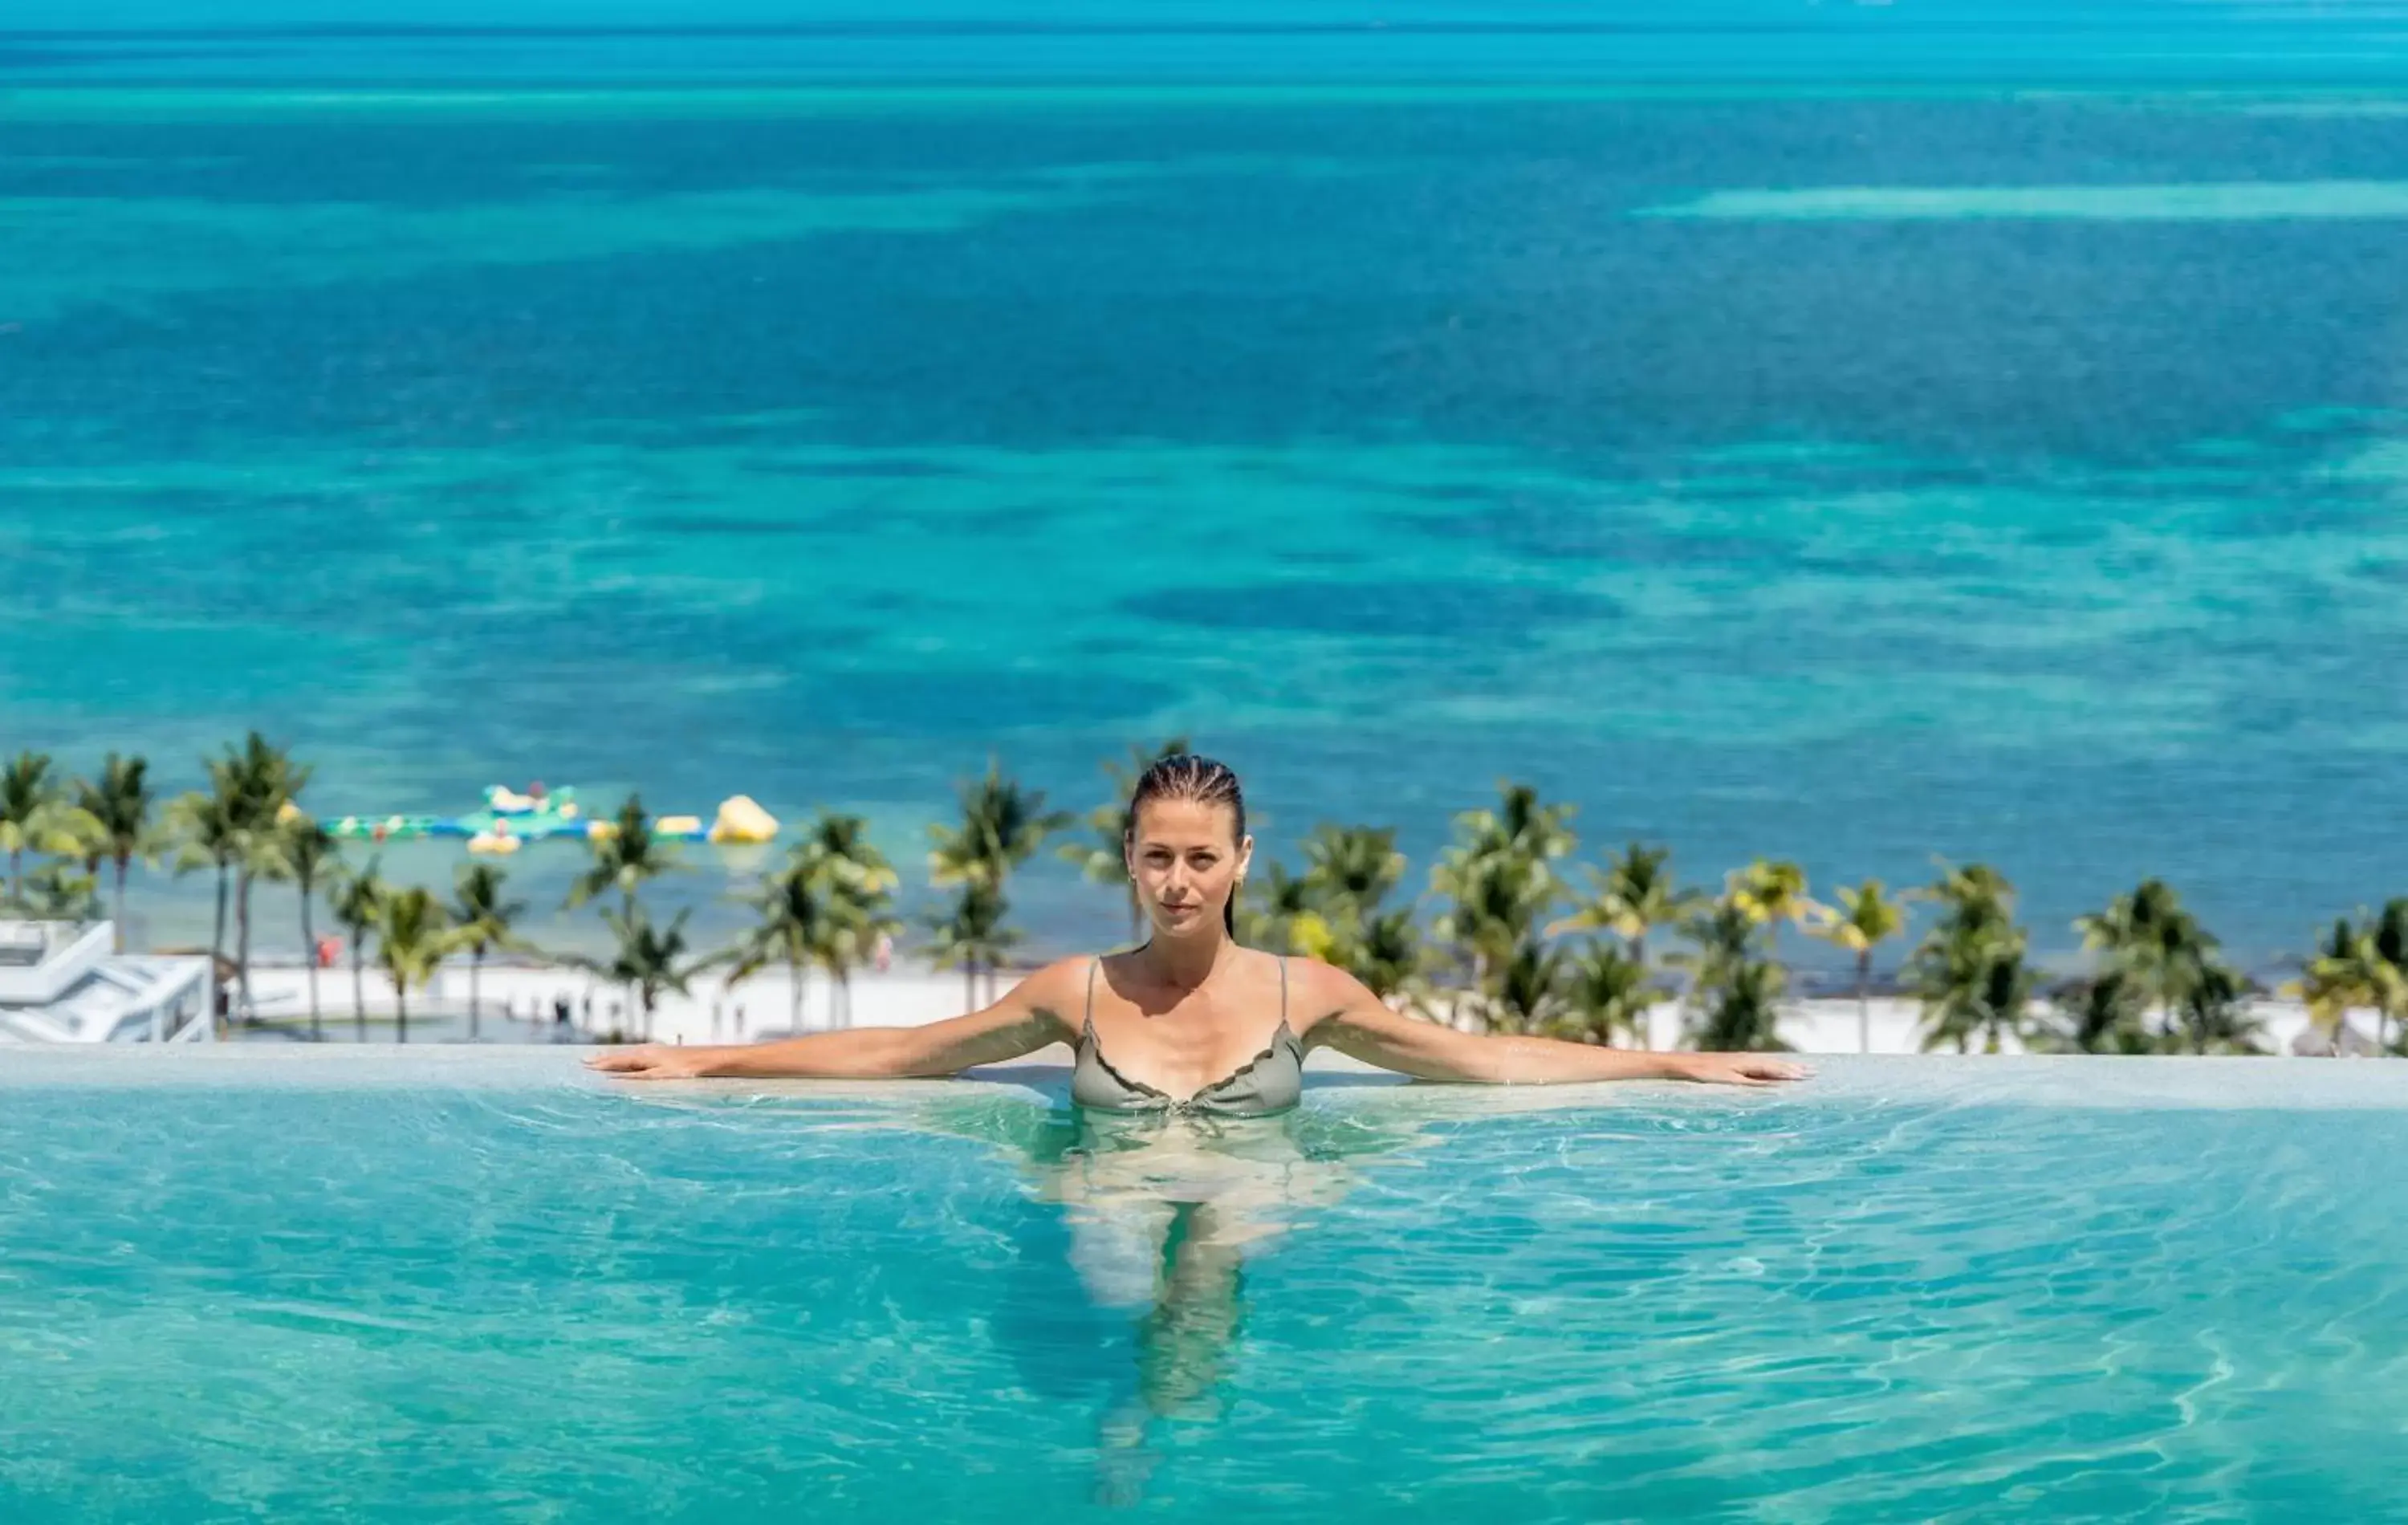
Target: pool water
(309,1286)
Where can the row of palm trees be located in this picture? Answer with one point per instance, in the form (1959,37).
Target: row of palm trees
(1501,940)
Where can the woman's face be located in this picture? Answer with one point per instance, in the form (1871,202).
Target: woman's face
(1186,858)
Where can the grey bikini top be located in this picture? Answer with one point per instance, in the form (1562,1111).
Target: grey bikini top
(1271,1081)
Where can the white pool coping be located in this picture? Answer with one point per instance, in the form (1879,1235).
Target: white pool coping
(2066,1080)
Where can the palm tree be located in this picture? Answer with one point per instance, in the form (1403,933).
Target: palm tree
(1864,918)
(412,938)
(1499,880)
(203,824)
(1969,969)
(1358,864)
(2338,975)
(36,815)
(1773,891)
(1973,981)
(309,850)
(255,784)
(1100,857)
(486,921)
(359,907)
(2157,944)
(2388,938)
(2215,1018)
(1331,911)
(26,796)
(858,885)
(119,803)
(1734,996)
(1723,934)
(970,936)
(1495,901)
(1745,1012)
(1521,825)
(2098,1016)
(1271,918)
(1974,894)
(1384,951)
(795,926)
(650,959)
(62,889)
(626,855)
(1530,993)
(1635,894)
(1002,826)
(1607,993)
(1388,956)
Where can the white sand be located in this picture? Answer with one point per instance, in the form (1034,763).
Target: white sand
(911,995)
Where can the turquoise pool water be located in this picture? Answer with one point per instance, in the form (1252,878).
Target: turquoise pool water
(303,1285)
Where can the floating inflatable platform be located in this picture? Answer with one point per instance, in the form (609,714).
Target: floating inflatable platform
(510,820)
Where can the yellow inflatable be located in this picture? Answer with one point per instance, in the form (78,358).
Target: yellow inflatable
(742,820)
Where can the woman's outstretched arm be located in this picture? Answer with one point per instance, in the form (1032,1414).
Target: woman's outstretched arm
(1357,1023)
(1027,1019)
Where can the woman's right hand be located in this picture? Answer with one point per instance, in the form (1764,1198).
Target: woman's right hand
(656,1061)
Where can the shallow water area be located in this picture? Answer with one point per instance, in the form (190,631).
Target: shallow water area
(366,1285)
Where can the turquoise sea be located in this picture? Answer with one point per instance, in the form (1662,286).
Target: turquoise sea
(317,1285)
(1848,432)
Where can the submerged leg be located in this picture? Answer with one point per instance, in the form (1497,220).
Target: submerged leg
(1183,1344)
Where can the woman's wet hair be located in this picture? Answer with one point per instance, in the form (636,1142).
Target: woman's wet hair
(1185,775)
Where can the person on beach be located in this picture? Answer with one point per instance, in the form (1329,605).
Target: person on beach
(1175,1024)
(1163,1217)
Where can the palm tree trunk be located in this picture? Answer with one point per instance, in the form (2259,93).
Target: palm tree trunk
(844,996)
(359,990)
(1865,1001)
(309,952)
(970,985)
(217,948)
(242,938)
(476,968)
(118,910)
(400,1010)
(795,995)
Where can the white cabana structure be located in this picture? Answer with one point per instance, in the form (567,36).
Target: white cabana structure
(60,983)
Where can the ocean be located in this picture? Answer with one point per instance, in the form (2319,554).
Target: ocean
(1849,433)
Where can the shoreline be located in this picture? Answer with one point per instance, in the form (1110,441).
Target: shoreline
(913,994)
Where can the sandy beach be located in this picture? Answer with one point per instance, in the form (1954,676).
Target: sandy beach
(911,994)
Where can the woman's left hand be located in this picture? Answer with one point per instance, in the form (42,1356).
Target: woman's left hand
(1738,1069)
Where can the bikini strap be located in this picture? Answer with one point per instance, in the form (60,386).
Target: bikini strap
(1282,989)
(1093,965)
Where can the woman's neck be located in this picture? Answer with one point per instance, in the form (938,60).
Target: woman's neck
(1186,964)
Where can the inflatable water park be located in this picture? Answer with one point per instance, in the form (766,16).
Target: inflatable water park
(510,820)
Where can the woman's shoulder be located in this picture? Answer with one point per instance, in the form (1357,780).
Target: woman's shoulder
(1061,982)
(1317,990)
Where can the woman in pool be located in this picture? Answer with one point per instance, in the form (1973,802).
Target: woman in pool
(1175,1026)
(1163,1218)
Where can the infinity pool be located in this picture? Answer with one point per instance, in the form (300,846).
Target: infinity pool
(312,1285)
